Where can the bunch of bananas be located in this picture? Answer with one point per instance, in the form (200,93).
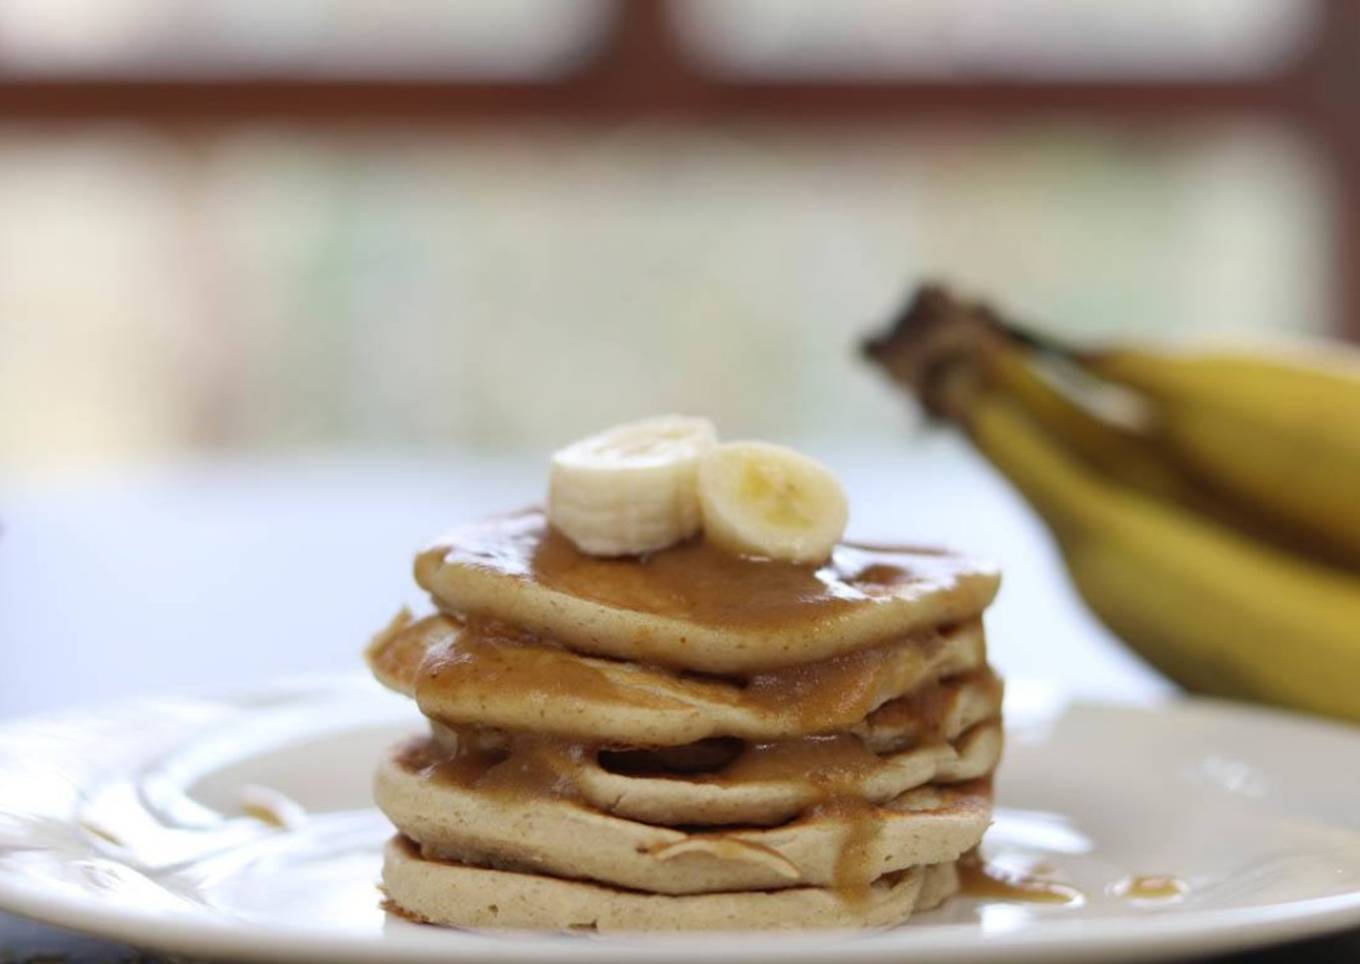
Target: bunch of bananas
(1207,505)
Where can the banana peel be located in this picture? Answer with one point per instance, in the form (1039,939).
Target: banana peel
(1225,594)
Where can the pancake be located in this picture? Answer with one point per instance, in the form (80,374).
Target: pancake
(932,711)
(443,892)
(760,784)
(741,795)
(534,832)
(478,675)
(694,606)
(685,740)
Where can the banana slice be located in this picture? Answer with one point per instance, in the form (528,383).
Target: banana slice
(632,488)
(767,500)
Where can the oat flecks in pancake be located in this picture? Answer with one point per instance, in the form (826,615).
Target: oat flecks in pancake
(767,784)
(688,740)
(694,606)
(466,896)
(564,838)
(671,801)
(459,677)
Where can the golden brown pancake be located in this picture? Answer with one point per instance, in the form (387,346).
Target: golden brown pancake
(544,833)
(686,740)
(478,674)
(694,606)
(457,895)
(738,783)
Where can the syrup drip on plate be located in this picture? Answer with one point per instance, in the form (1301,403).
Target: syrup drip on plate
(1150,887)
(978,878)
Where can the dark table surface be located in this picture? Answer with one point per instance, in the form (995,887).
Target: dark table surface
(24,941)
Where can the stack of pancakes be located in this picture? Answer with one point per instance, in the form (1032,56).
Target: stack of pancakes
(686,740)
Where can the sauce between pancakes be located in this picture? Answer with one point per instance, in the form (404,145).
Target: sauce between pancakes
(702,584)
(482,657)
(530,766)
(491,655)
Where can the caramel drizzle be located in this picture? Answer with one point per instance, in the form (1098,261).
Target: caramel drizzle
(521,766)
(1151,887)
(698,581)
(526,765)
(826,696)
(980,879)
(832,766)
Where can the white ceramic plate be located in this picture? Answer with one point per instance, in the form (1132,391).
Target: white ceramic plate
(129,824)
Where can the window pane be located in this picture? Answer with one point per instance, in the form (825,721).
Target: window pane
(481,38)
(269,288)
(934,38)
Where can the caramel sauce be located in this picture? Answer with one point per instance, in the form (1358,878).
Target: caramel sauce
(526,767)
(832,767)
(490,656)
(271,807)
(853,875)
(697,581)
(701,584)
(978,879)
(919,717)
(395,652)
(483,656)
(829,694)
(537,766)
(1151,887)
(922,711)
(825,763)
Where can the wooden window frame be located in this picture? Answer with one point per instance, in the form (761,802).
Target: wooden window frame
(639,71)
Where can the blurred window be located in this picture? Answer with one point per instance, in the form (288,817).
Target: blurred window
(247,283)
(490,39)
(937,38)
(269,288)
(531,39)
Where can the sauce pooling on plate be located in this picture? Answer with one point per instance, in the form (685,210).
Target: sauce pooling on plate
(1151,887)
(980,879)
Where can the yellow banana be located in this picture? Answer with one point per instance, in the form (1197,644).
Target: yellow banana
(1279,434)
(1109,447)
(1202,535)
(1130,455)
(1213,609)
(939,333)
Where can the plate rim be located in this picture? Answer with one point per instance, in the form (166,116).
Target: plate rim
(199,932)
(1193,932)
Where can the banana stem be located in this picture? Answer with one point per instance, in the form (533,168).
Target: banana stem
(933,337)
(936,330)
